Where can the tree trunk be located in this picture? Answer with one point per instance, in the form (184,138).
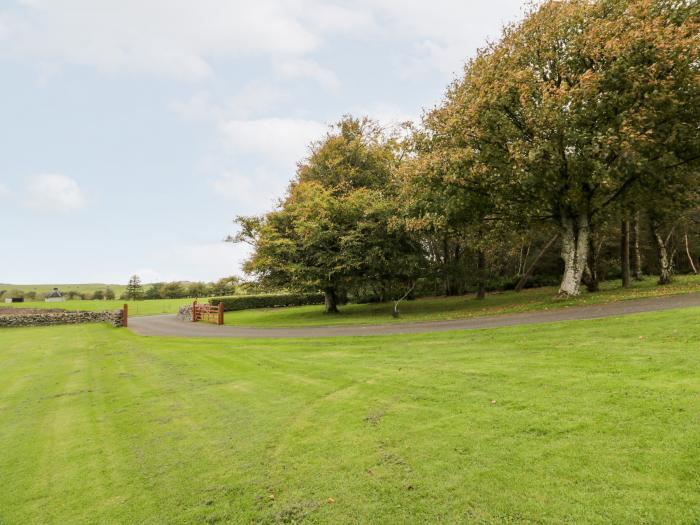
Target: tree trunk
(574,251)
(591,273)
(481,274)
(446,266)
(690,257)
(528,273)
(625,252)
(637,251)
(662,252)
(395,311)
(331,301)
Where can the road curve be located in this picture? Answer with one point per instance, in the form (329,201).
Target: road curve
(172,326)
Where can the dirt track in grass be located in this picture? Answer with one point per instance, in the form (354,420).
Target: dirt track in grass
(172,326)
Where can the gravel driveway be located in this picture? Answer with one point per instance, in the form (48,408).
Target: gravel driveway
(171,326)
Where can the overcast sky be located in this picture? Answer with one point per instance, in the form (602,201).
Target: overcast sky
(133,131)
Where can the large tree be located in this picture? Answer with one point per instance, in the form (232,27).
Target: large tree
(334,230)
(574,107)
(134,289)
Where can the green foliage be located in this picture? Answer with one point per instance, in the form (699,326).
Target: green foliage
(134,289)
(177,290)
(570,111)
(246,302)
(154,291)
(225,286)
(173,290)
(198,289)
(580,112)
(335,230)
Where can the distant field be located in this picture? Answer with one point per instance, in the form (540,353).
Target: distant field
(64,288)
(144,307)
(584,422)
(446,308)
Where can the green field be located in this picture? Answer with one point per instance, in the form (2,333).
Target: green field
(578,422)
(430,309)
(90,288)
(145,307)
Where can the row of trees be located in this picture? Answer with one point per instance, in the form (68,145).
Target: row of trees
(580,124)
(178,289)
(32,295)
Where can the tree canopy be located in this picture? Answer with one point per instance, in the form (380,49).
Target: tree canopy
(583,112)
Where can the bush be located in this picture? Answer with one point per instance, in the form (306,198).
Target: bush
(247,302)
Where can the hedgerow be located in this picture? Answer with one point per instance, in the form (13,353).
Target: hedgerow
(247,302)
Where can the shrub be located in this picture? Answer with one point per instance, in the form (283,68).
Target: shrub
(247,302)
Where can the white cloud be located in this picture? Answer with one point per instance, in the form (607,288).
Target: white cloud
(199,106)
(445,32)
(265,151)
(239,187)
(339,19)
(213,260)
(178,37)
(4,190)
(278,141)
(52,192)
(251,193)
(252,100)
(388,114)
(194,262)
(256,99)
(304,68)
(187,38)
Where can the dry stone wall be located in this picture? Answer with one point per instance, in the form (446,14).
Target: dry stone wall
(16,317)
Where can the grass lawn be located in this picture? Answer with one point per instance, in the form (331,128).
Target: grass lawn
(144,307)
(578,422)
(431,309)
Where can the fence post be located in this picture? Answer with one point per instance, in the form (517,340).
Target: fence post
(125,315)
(194,311)
(221,312)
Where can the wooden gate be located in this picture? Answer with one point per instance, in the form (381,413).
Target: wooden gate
(208,313)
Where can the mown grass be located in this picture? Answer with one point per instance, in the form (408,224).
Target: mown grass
(441,308)
(578,422)
(136,308)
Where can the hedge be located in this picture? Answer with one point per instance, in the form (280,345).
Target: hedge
(247,302)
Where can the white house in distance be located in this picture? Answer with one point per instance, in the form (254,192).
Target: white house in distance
(54,297)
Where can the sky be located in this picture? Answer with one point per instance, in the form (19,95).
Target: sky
(132,132)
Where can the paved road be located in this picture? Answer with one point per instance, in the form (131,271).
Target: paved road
(171,326)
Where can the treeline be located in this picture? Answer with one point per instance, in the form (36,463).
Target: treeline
(568,151)
(32,295)
(179,289)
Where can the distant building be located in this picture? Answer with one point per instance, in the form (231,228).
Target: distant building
(14,299)
(54,297)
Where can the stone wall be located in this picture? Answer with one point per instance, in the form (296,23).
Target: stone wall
(53,317)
